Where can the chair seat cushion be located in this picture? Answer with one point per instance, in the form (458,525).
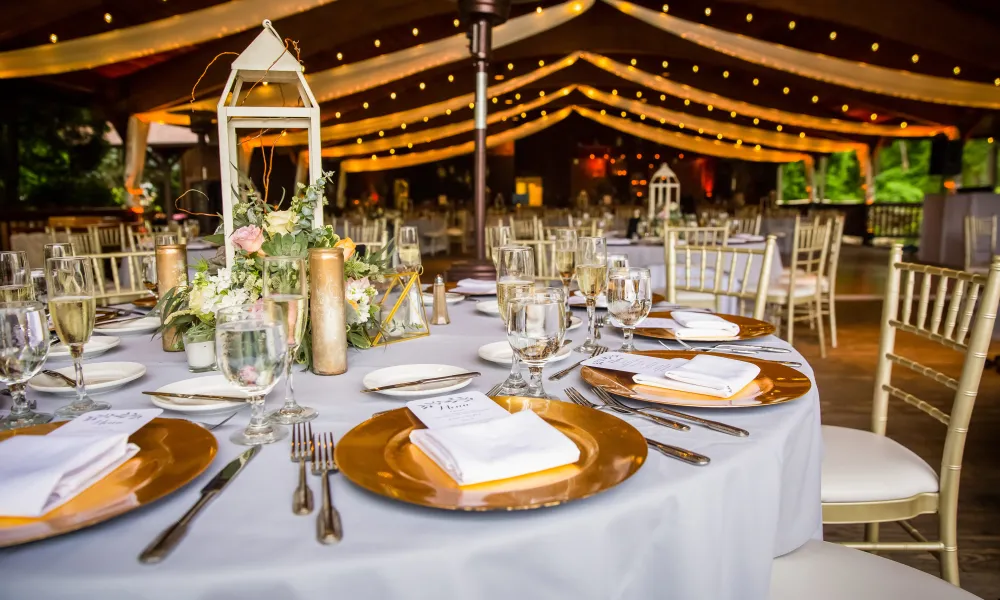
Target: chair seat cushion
(803,279)
(686,297)
(824,571)
(860,466)
(779,291)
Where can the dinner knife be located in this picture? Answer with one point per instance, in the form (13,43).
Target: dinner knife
(164,543)
(468,375)
(197,396)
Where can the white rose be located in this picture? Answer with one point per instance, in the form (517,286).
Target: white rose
(280,222)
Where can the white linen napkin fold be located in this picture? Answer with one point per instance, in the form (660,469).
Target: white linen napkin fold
(613,241)
(497,449)
(704,374)
(695,324)
(42,472)
(475,285)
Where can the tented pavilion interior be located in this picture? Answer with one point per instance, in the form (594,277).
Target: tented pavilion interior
(754,83)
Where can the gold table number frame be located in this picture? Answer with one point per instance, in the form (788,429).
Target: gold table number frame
(407,318)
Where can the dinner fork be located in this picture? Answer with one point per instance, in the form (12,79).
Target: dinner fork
(57,375)
(495,390)
(302,440)
(610,400)
(560,374)
(579,398)
(687,456)
(737,352)
(328,527)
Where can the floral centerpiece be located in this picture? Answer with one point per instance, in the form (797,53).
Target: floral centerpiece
(263,230)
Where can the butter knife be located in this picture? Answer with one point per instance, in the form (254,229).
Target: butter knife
(164,543)
(468,375)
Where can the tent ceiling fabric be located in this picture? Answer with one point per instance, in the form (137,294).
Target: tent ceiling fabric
(149,38)
(862,76)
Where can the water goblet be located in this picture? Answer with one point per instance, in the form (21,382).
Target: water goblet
(70,283)
(24,345)
(251,350)
(286,290)
(630,296)
(592,277)
(58,250)
(617,261)
(565,257)
(535,329)
(515,274)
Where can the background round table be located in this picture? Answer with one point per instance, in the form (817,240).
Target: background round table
(672,530)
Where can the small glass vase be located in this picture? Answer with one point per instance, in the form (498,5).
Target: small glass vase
(200,353)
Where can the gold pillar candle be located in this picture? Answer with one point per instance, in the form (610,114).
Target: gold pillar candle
(328,311)
(171,271)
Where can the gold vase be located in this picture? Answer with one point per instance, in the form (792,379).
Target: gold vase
(171,271)
(328,311)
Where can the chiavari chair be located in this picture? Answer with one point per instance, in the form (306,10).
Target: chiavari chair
(701,236)
(977,228)
(870,478)
(703,275)
(125,272)
(748,225)
(798,297)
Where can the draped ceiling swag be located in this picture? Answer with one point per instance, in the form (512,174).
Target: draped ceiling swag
(160,40)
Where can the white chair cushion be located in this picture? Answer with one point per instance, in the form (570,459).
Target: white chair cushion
(860,466)
(779,291)
(824,571)
(803,279)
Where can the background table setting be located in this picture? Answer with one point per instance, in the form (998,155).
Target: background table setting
(699,532)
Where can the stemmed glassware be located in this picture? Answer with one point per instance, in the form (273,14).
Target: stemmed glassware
(70,282)
(24,345)
(286,290)
(535,329)
(165,239)
(565,256)
(515,274)
(630,296)
(148,268)
(498,235)
(592,277)
(408,247)
(251,349)
(58,250)
(617,261)
(15,278)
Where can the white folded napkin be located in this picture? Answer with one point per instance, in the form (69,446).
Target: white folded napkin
(42,472)
(618,241)
(704,374)
(578,299)
(695,324)
(496,449)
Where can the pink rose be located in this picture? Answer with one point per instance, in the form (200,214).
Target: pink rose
(249,238)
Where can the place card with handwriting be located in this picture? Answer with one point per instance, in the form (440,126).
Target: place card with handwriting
(463,408)
(111,422)
(634,363)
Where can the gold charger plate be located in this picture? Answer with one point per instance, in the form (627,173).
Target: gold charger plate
(172,452)
(749,328)
(774,385)
(377,455)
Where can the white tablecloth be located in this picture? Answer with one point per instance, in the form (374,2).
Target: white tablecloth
(671,531)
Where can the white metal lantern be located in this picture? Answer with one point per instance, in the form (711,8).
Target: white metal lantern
(664,189)
(273,79)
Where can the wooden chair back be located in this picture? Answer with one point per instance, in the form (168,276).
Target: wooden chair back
(125,272)
(749,225)
(700,236)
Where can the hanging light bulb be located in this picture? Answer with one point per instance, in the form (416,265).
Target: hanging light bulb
(708,12)
(403,126)
(874,116)
(415,32)
(55,38)
(337,114)
(694,68)
(665,64)
(517,96)
(732,114)
(756,121)
(710,108)
(107,17)
(378,43)
(791,24)
(875,47)
(756,81)
(510,66)
(749,17)
(423,85)
(778,127)
(340,56)
(544,113)
(833,35)
(666,8)
(687,102)
(624,114)
(844,108)
(915,58)
(410,145)
(902,125)
(663,97)
(447,111)
(451,78)
(802,134)
(614,92)
(603,111)
(638,94)
(381,134)
(718,135)
(393,95)
(785,91)
(365,105)
(455,23)
(680,125)
(541,94)
(815,99)
(359,140)
(541,63)
(956,70)
(725,74)
(392,150)
(633,62)
(538,10)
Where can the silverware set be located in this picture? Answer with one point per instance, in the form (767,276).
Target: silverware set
(307,447)
(739,350)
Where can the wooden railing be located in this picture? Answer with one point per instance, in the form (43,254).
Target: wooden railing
(870,221)
(28,221)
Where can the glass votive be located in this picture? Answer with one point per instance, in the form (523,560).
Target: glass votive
(200,351)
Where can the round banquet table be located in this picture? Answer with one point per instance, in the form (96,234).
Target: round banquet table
(671,530)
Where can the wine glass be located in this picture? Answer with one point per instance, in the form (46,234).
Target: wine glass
(58,250)
(251,350)
(535,329)
(498,235)
(566,262)
(592,277)
(286,290)
(515,274)
(630,296)
(24,345)
(70,281)
(408,248)
(15,278)
(617,261)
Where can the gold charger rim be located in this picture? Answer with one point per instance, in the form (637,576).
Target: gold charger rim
(189,475)
(750,328)
(362,474)
(787,383)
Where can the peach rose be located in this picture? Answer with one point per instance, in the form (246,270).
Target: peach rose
(249,238)
(348,245)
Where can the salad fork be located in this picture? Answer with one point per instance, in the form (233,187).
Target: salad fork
(714,425)
(579,398)
(302,441)
(328,526)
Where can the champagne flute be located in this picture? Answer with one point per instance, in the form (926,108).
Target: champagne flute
(15,278)
(566,262)
(408,248)
(251,350)
(515,274)
(165,239)
(58,250)
(286,288)
(499,235)
(617,261)
(535,329)
(24,345)
(70,280)
(592,276)
(630,296)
